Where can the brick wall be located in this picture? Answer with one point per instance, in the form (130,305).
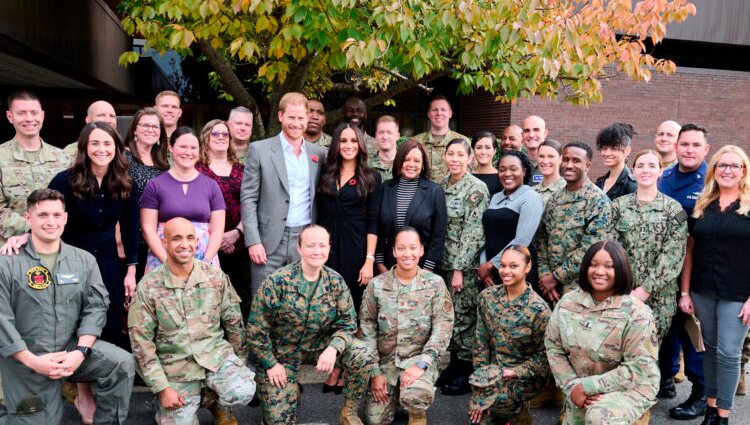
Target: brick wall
(718,100)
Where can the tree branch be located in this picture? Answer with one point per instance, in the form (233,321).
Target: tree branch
(233,85)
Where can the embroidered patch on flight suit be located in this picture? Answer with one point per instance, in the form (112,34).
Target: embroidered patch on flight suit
(39,277)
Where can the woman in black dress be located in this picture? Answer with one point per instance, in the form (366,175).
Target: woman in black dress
(349,207)
(512,217)
(484,145)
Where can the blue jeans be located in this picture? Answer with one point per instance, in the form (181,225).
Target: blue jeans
(669,352)
(723,335)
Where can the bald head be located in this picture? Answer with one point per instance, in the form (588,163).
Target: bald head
(179,241)
(534,132)
(102,111)
(511,139)
(666,138)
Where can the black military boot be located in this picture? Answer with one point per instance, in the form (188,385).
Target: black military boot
(693,407)
(667,389)
(460,383)
(712,415)
(449,373)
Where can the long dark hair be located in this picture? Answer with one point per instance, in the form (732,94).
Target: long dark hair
(620,262)
(363,173)
(117,179)
(158,152)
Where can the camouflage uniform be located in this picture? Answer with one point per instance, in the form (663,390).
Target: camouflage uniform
(241,154)
(377,164)
(291,326)
(610,348)
(177,330)
(436,150)
(510,334)
(654,236)
(571,223)
(547,191)
(403,323)
(21,173)
(324,141)
(466,201)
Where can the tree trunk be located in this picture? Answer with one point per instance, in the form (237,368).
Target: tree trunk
(294,82)
(233,85)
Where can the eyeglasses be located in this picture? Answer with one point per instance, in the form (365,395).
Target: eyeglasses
(732,167)
(151,127)
(219,134)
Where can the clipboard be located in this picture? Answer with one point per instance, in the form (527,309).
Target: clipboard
(693,329)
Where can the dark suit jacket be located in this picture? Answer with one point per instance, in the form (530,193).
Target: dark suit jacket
(427,213)
(265,191)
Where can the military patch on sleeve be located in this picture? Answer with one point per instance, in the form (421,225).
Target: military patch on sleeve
(39,277)
(681,216)
(447,306)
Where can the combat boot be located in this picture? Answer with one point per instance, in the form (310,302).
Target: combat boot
(680,376)
(550,397)
(221,416)
(349,415)
(69,391)
(460,383)
(417,419)
(523,417)
(742,385)
(450,372)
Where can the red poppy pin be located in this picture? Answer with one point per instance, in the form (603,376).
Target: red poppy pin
(314,158)
(352,182)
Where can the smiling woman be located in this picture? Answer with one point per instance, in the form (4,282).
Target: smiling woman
(166,197)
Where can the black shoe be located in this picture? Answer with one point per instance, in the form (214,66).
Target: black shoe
(667,389)
(692,408)
(712,414)
(460,383)
(722,421)
(450,372)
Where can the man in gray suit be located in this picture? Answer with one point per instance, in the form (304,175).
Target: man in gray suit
(278,190)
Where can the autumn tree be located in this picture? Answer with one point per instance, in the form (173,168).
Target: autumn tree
(512,48)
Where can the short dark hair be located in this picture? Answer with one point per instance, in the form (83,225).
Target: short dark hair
(404,150)
(694,127)
(407,229)
(525,163)
(554,144)
(581,145)
(481,135)
(623,273)
(43,194)
(22,95)
(459,141)
(181,131)
(615,136)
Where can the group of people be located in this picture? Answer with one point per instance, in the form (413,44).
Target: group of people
(495,267)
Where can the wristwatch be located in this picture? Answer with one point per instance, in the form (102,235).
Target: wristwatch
(422,365)
(85,350)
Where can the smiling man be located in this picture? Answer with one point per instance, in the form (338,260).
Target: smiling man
(573,220)
(240,125)
(53,306)
(26,162)
(665,140)
(437,137)
(278,190)
(168,105)
(534,134)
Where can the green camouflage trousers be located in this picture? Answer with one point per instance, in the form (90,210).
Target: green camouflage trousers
(465,311)
(503,398)
(615,408)
(416,398)
(233,383)
(279,405)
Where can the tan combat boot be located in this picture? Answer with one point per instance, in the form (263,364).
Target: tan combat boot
(417,418)
(550,397)
(680,377)
(742,386)
(348,414)
(643,420)
(221,416)
(523,417)
(69,391)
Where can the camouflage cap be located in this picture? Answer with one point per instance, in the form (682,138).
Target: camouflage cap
(484,391)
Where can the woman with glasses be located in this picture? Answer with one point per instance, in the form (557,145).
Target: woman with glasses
(183,192)
(219,161)
(613,143)
(146,152)
(715,281)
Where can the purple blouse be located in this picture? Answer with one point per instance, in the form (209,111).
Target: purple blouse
(164,194)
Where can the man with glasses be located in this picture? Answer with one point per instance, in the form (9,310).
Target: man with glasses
(684,182)
(26,162)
